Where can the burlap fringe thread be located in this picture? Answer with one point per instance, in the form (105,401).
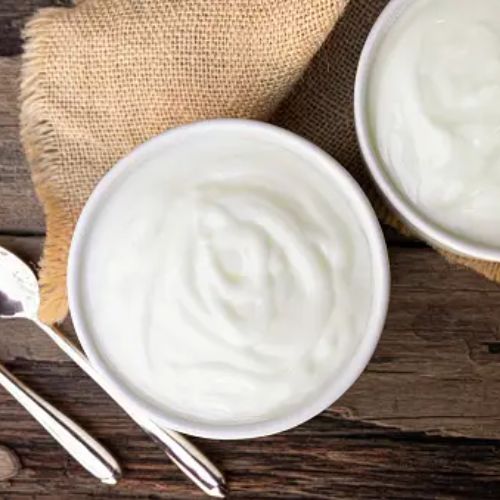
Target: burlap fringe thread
(41,149)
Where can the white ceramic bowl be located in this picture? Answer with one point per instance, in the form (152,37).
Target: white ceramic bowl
(433,233)
(367,219)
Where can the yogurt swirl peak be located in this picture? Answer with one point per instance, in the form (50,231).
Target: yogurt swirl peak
(245,259)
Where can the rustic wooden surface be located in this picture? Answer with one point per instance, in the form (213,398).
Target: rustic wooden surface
(421,422)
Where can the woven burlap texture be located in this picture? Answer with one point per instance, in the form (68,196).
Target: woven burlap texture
(102,77)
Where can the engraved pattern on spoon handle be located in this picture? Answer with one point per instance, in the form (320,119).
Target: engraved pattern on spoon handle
(185,455)
(76,441)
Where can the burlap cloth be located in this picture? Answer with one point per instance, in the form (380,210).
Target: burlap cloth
(102,77)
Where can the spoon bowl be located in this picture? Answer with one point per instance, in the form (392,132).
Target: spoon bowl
(20,298)
(19,292)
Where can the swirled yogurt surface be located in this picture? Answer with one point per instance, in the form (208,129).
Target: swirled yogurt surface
(434,104)
(226,278)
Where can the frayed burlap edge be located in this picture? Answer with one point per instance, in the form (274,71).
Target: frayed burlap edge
(41,148)
(490,270)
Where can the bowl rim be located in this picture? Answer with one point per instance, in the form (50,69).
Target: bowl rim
(430,231)
(354,367)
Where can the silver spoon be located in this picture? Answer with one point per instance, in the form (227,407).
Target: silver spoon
(77,442)
(20,298)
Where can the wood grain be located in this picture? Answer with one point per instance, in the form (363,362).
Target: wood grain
(326,458)
(437,365)
(20,211)
(9,464)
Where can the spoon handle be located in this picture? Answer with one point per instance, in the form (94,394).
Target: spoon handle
(185,455)
(77,442)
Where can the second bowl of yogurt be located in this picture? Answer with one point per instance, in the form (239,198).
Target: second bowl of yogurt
(427,106)
(230,278)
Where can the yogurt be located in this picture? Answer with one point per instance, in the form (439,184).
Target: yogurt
(226,279)
(434,112)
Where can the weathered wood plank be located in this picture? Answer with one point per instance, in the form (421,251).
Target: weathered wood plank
(326,458)
(437,368)
(20,210)
(13,15)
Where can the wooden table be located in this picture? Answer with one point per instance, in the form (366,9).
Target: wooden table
(422,421)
